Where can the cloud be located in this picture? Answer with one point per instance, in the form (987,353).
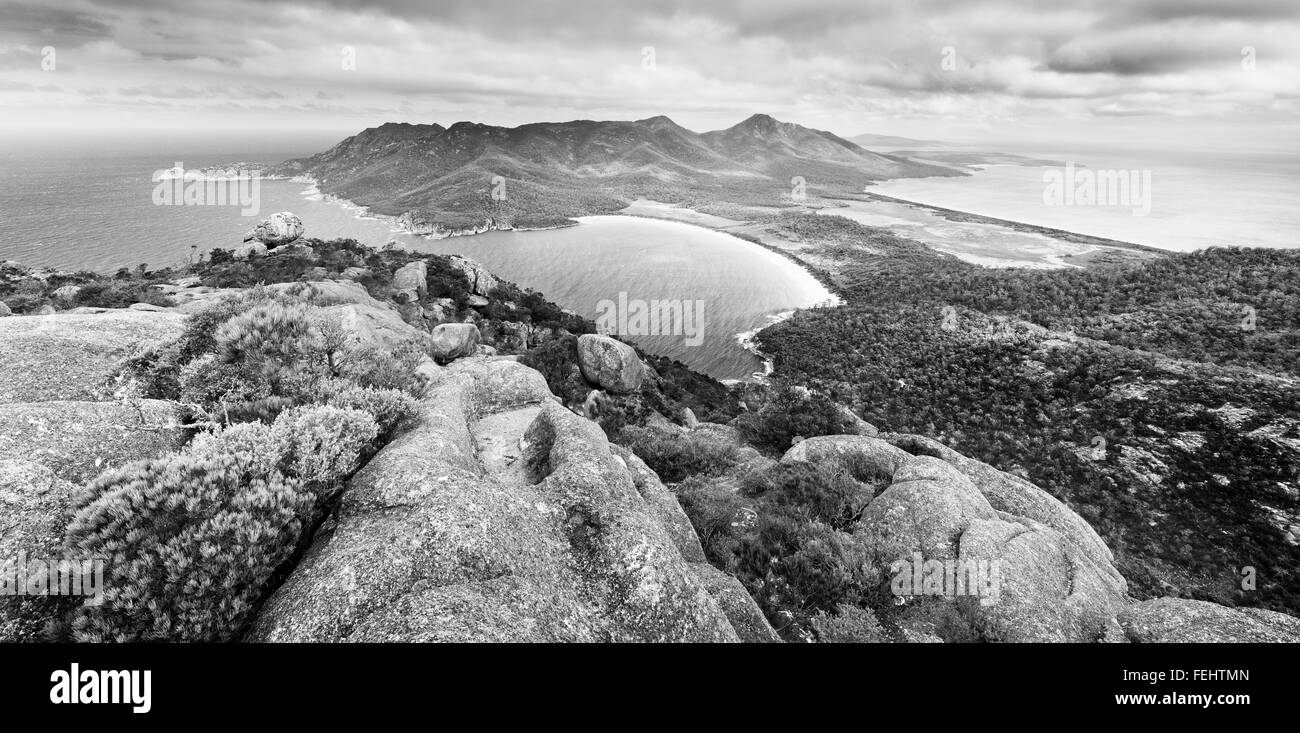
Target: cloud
(822,62)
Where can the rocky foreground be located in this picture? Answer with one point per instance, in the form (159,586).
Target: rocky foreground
(500,513)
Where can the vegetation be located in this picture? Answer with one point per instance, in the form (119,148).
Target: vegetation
(790,413)
(25,291)
(190,540)
(1155,398)
(287,405)
(674,456)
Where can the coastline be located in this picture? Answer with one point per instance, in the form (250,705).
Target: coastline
(1018,226)
(396,226)
(745,339)
(823,277)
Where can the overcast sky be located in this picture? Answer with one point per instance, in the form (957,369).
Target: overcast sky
(950,69)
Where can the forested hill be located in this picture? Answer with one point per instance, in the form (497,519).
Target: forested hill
(475,175)
(1160,400)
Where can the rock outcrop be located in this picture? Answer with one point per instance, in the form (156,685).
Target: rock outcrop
(453,340)
(501,516)
(276,229)
(480,280)
(1184,621)
(411,280)
(380,328)
(71,357)
(1047,586)
(249,250)
(1055,578)
(611,364)
(78,440)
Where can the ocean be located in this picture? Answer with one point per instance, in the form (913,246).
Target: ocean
(1198,198)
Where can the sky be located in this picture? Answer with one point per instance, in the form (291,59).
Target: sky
(1147,72)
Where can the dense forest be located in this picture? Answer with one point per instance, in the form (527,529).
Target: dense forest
(1157,399)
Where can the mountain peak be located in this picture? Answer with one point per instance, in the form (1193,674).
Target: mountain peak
(659,121)
(760,121)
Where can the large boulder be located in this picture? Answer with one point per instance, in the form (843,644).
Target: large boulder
(412,280)
(742,610)
(1184,621)
(1031,573)
(926,508)
(499,516)
(453,340)
(78,440)
(72,357)
(67,292)
(663,503)
(34,505)
(611,364)
(249,250)
(479,279)
(331,292)
(4,310)
(1014,495)
(279,228)
(366,325)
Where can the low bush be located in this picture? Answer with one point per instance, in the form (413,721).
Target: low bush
(191,540)
(388,407)
(787,536)
(849,625)
(675,456)
(791,412)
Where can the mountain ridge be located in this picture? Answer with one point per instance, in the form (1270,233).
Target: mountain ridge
(471,175)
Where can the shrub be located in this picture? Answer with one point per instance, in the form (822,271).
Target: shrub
(789,412)
(817,492)
(798,568)
(237,393)
(322,443)
(158,369)
(674,456)
(388,407)
(191,541)
(849,625)
(276,332)
(715,511)
(393,369)
(187,541)
(118,294)
(557,361)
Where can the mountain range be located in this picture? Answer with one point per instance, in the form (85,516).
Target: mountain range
(443,179)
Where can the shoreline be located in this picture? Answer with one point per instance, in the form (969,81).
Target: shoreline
(822,277)
(394,222)
(745,339)
(957,215)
